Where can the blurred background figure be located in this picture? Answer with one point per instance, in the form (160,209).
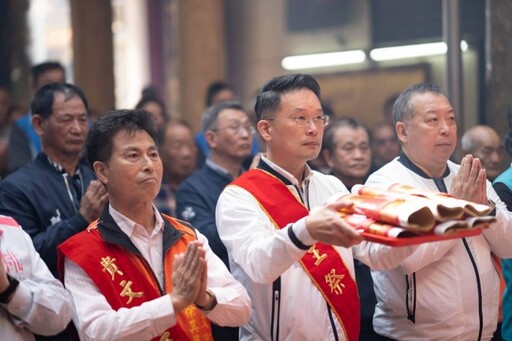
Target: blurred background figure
(387,108)
(219,92)
(483,142)
(178,151)
(346,150)
(503,186)
(24,143)
(150,101)
(5,128)
(385,146)
(228,131)
(319,164)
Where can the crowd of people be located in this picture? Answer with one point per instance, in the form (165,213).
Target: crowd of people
(133,226)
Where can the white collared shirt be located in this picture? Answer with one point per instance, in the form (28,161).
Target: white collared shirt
(150,246)
(96,320)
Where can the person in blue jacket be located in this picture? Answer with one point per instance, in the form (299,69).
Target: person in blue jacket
(503,186)
(56,195)
(229,133)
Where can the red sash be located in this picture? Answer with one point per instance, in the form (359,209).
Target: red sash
(127,281)
(322,262)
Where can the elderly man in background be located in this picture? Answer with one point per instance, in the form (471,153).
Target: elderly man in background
(178,151)
(55,196)
(385,146)
(483,142)
(346,149)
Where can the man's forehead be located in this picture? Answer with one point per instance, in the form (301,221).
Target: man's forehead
(429,99)
(232,113)
(51,76)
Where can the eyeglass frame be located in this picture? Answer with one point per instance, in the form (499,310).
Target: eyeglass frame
(301,121)
(237,129)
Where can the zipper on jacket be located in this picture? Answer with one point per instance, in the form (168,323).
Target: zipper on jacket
(410,297)
(333,325)
(276,307)
(479,289)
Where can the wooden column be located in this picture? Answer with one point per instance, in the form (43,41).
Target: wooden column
(499,68)
(198,53)
(93,52)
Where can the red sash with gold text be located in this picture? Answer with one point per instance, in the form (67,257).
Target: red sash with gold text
(126,280)
(321,262)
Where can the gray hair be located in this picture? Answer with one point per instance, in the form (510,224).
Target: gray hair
(402,109)
(211,115)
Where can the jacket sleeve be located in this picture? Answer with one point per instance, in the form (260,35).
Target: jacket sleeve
(40,303)
(251,239)
(499,234)
(233,303)
(14,203)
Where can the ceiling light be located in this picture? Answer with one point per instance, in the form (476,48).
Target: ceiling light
(323,60)
(411,51)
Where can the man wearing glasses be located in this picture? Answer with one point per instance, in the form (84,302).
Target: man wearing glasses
(228,133)
(282,239)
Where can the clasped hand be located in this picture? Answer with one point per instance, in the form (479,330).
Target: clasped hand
(470,182)
(189,277)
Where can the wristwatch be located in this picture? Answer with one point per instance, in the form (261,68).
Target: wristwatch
(211,303)
(5,296)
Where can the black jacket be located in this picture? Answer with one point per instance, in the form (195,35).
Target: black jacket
(38,198)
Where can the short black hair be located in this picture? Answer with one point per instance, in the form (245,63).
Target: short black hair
(39,69)
(269,95)
(42,103)
(160,134)
(214,89)
(328,138)
(99,144)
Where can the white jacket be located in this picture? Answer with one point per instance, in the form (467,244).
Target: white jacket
(445,290)
(259,254)
(40,304)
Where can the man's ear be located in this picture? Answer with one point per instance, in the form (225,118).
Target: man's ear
(264,129)
(39,124)
(401,132)
(211,138)
(100,170)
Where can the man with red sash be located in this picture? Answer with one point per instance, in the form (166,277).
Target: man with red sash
(136,274)
(283,240)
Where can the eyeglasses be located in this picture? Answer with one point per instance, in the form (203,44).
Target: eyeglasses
(238,129)
(302,121)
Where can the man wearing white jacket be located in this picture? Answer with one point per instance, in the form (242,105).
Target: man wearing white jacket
(446,290)
(32,301)
(291,251)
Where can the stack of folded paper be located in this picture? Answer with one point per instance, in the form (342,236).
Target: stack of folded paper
(404,211)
